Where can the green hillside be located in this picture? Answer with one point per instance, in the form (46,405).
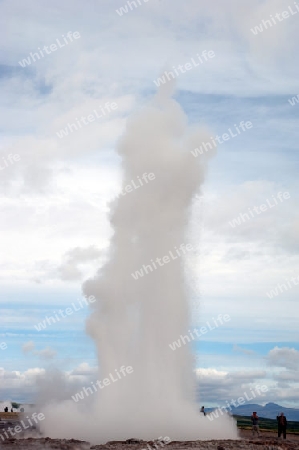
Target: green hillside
(265,424)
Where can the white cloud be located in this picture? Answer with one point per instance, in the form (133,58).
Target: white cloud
(237,348)
(84,369)
(71,268)
(210,373)
(20,385)
(28,346)
(283,357)
(46,353)
(217,386)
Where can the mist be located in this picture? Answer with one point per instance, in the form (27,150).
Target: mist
(135,318)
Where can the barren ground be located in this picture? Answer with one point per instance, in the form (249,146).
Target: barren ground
(268,441)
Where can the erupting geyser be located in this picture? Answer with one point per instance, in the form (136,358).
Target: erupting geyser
(136,317)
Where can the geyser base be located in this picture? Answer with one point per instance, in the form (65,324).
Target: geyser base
(68,420)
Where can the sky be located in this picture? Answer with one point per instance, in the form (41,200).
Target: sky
(57,186)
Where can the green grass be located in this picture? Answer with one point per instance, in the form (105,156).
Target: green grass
(265,424)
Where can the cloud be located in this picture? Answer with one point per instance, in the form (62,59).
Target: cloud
(218,386)
(28,347)
(39,384)
(84,369)
(46,353)
(215,387)
(69,269)
(56,385)
(283,357)
(210,373)
(36,171)
(18,385)
(286,376)
(237,348)
(44,385)
(254,226)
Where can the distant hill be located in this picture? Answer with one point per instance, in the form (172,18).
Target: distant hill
(269,411)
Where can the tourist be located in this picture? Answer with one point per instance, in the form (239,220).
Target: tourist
(255,424)
(282,425)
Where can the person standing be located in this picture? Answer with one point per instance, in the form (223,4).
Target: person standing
(202,410)
(282,425)
(255,423)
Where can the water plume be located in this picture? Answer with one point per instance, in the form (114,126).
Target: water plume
(135,319)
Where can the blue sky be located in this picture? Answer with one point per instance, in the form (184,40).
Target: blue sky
(54,202)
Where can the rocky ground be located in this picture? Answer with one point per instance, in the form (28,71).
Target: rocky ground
(268,441)
(32,440)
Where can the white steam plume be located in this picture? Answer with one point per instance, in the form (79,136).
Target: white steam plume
(134,320)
